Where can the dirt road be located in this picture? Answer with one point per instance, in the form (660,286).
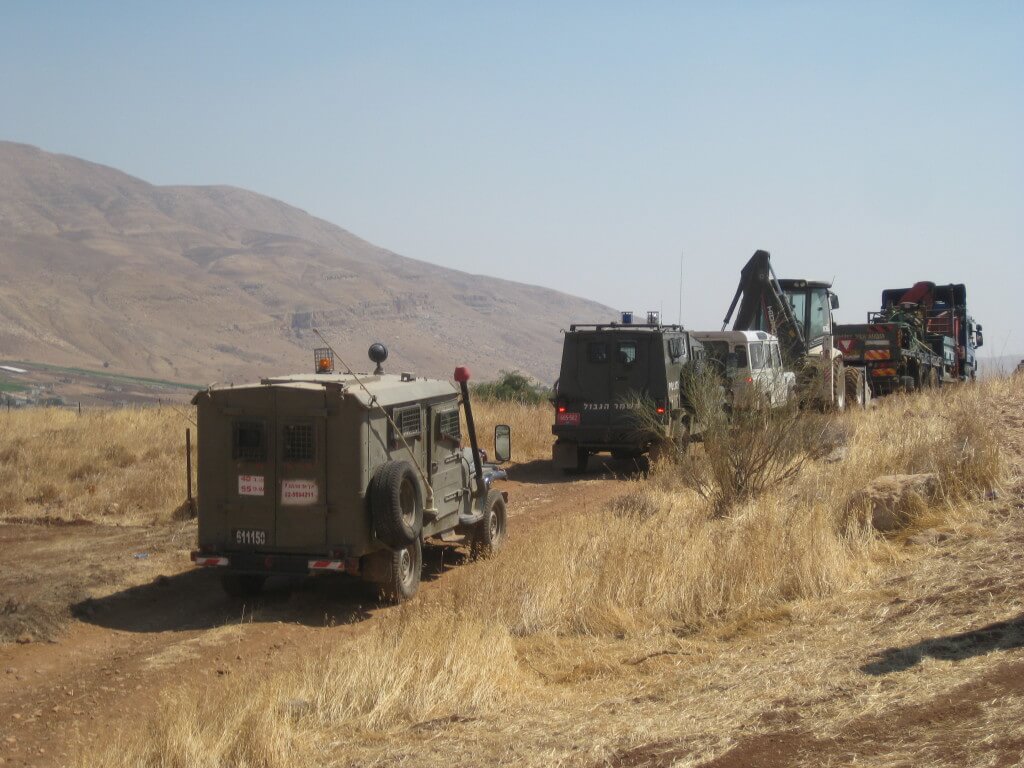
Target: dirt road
(925,666)
(172,624)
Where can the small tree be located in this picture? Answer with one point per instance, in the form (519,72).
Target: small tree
(749,446)
(511,386)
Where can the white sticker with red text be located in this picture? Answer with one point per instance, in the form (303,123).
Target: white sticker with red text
(250,485)
(298,492)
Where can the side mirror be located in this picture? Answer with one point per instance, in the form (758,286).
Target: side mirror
(502,443)
(731,366)
(981,338)
(833,300)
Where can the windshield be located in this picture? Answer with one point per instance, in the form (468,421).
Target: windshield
(820,314)
(798,301)
(812,311)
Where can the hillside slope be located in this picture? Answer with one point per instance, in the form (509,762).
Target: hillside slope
(218,283)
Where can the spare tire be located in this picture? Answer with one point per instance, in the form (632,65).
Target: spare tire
(395,504)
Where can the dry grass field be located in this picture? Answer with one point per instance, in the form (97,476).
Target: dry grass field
(124,466)
(657,631)
(127,466)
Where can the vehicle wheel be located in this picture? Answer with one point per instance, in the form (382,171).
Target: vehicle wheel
(489,533)
(395,504)
(854,388)
(838,385)
(908,383)
(405,565)
(242,584)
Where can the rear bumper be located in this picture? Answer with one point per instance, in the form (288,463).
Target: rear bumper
(604,438)
(273,563)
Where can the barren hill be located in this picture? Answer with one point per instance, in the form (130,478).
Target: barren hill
(218,283)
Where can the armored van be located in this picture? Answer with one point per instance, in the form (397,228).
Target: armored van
(611,371)
(341,472)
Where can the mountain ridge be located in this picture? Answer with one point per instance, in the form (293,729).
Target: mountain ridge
(219,282)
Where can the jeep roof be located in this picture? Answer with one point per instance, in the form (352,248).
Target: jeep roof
(385,389)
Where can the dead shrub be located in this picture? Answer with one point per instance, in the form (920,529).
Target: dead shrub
(12,454)
(749,447)
(118,455)
(83,471)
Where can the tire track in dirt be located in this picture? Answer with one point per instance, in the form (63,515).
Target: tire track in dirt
(106,672)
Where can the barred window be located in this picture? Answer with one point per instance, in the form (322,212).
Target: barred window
(408,421)
(597,352)
(448,424)
(298,442)
(675,348)
(249,441)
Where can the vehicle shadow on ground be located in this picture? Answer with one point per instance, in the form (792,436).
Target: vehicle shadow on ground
(1000,636)
(543,472)
(194,600)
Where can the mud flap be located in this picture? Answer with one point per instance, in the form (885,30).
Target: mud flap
(564,454)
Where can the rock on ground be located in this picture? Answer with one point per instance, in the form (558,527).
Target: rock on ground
(891,500)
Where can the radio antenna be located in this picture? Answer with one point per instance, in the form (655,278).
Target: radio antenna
(680,288)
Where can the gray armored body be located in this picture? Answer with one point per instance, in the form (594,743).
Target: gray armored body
(611,371)
(332,472)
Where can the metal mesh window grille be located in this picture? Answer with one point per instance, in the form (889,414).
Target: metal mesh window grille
(408,421)
(249,441)
(298,442)
(448,424)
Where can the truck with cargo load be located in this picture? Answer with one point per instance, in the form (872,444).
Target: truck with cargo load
(921,337)
(609,372)
(345,473)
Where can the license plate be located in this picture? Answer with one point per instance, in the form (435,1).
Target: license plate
(250,537)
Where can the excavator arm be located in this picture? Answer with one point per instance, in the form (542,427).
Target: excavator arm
(762,306)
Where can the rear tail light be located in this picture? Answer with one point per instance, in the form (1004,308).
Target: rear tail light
(750,379)
(661,409)
(561,407)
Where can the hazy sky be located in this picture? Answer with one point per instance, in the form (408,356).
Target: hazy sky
(581,146)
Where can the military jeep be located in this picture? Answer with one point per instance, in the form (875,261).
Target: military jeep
(619,390)
(341,473)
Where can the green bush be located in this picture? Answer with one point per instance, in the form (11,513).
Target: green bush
(512,386)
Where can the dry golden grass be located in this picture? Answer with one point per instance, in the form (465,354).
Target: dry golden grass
(620,627)
(531,427)
(123,466)
(127,466)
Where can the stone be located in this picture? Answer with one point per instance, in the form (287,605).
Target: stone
(891,500)
(928,537)
(836,455)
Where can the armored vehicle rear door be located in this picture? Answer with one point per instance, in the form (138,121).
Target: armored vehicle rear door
(594,379)
(245,467)
(630,376)
(301,460)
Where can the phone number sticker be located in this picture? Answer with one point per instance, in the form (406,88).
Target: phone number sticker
(299,492)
